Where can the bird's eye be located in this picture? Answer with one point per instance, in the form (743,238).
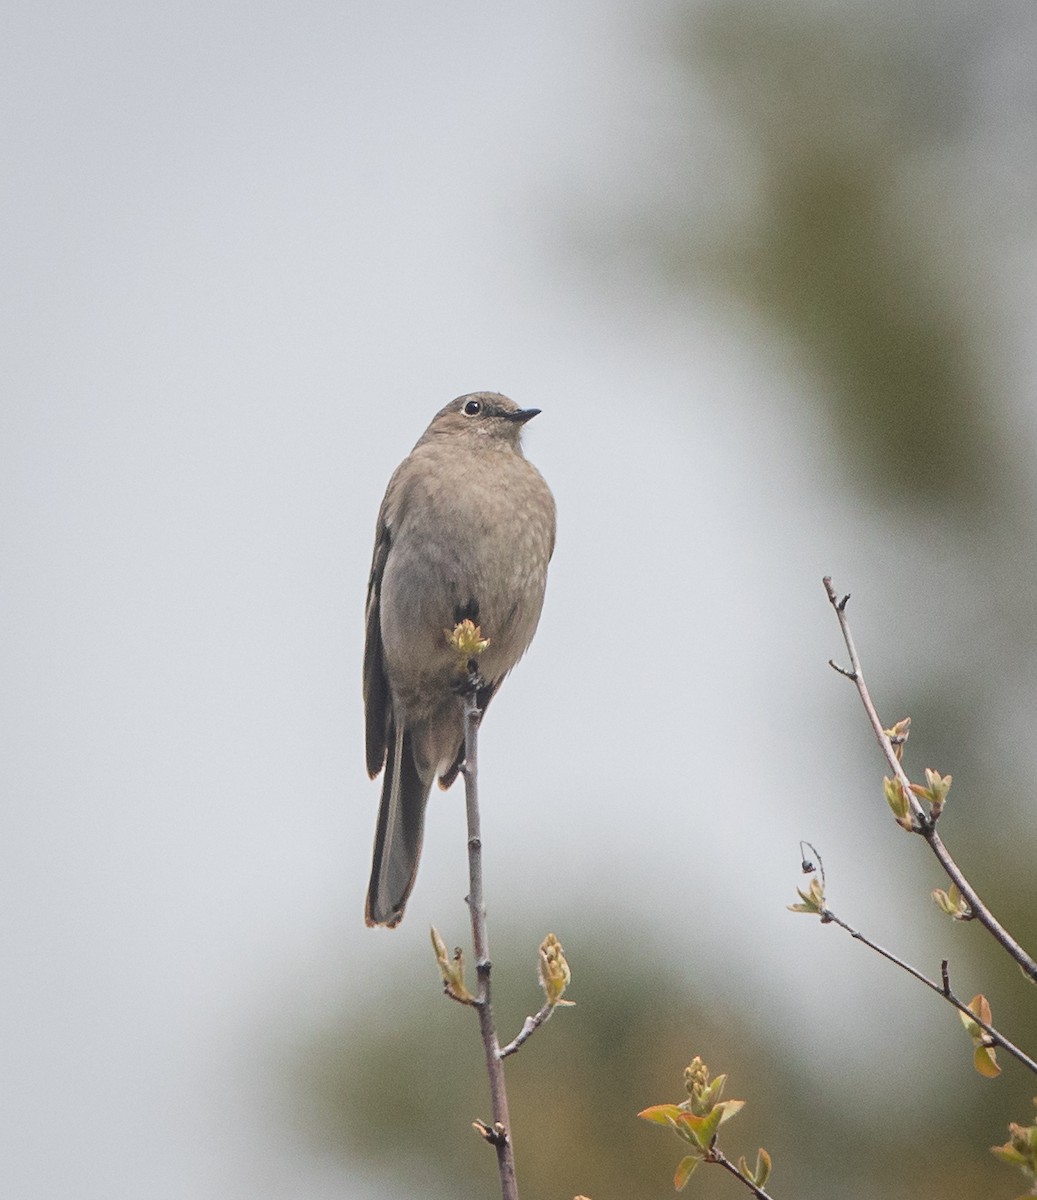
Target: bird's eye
(472,408)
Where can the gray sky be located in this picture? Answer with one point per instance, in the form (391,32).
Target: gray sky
(248,251)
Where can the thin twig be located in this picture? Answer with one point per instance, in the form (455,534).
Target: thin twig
(499,1135)
(944,989)
(529,1027)
(923,824)
(720,1158)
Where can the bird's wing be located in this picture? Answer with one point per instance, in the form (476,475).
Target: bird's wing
(376,687)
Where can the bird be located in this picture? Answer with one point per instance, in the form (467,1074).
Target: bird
(465,532)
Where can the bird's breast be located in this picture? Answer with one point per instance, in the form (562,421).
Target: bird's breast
(475,547)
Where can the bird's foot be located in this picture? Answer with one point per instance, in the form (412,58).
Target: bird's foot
(471,683)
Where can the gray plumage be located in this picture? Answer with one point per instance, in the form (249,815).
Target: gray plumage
(466,529)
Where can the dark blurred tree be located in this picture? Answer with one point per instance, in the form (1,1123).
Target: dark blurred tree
(849,221)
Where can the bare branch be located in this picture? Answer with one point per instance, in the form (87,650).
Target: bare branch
(941,989)
(529,1026)
(499,1133)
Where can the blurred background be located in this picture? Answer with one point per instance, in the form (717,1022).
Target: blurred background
(769,271)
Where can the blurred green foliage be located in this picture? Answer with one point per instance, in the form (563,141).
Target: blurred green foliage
(397,1083)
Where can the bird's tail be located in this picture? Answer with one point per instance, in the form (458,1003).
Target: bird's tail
(397,839)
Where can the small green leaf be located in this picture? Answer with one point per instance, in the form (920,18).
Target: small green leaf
(985,1062)
(939,786)
(712,1094)
(1008,1153)
(662,1114)
(451,968)
(684,1170)
(952,903)
(759,1176)
(813,898)
(898,800)
(983,1059)
(979,1005)
(702,1129)
(898,735)
(1021,1149)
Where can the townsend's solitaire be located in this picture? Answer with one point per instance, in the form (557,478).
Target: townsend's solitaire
(466,530)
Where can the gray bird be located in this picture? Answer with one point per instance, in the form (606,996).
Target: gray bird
(466,530)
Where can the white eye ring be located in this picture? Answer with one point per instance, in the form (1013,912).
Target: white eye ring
(472,408)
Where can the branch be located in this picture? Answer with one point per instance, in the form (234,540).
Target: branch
(499,1134)
(941,989)
(529,1026)
(923,823)
(717,1156)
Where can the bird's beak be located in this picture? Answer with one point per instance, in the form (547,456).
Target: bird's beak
(522,415)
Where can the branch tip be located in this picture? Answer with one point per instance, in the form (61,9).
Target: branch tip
(836,603)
